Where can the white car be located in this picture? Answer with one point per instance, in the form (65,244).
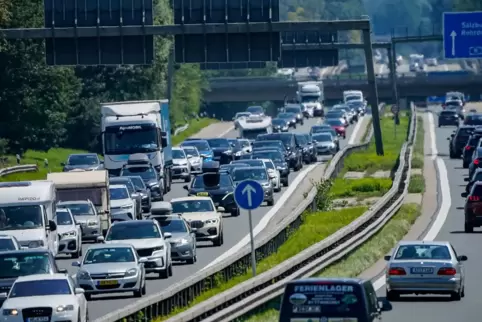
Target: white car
(245,145)
(274,174)
(45,297)
(239,116)
(8,243)
(202,215)
(147,238)
(181,168)
(111,268)
(432,62)
(70,233)
(122,206)
(194,159)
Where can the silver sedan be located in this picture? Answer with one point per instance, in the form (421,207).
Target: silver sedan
(418,267)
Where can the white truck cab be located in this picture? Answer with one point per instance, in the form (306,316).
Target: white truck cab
(27,211)
(353,95)
(311,97)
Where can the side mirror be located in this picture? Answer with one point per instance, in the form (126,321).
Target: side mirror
(448,139)
(167,235)
(387,257)
(79,290)
(462,258)
(467,179)
(185,187)
(189,156)
(76,264)
(452,135)
(384,305)
(221,209)
(63,271)
(62,164)
(100,239)
(142,260)
(464,194)
(52,225)
(3,296)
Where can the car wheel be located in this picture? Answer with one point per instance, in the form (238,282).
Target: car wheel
(463,291)
(286,183)
(219,240)
(138,293)
(190,261)
(169,269)
(392,296)
(164,274)
(187,179)
(468,228)
(88,297)
(236,212)
(270,202)
(278,189)
(77,253)
(143,290)
(456,296)
(452,154)
(465,165)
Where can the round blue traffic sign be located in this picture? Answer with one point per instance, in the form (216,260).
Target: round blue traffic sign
(249,194)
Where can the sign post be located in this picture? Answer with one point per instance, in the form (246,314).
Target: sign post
(249,195)
(462,35)
(395,110)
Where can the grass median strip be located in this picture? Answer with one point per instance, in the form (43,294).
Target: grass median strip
(360,188)
(417,157)
(315,227)
(56,156)
(417,184)
(360,259)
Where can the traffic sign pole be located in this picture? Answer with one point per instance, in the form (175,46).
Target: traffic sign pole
(249,195)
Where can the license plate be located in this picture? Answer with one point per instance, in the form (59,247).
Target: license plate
(39,319)
(203,194)
(109,282)
(422,270)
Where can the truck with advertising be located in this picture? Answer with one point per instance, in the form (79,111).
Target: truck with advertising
(138,127)
(311,96)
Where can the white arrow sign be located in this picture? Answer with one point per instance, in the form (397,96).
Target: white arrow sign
(249,190)
(453,34)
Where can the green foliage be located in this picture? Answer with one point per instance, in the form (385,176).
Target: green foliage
(417,157)
(194,127)
(417,184)
(360,188)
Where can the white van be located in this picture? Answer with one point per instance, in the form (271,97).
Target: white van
(29,209)
(352,95)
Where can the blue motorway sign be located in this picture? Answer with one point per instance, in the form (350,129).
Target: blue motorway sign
(249,194)
(462,34)
(436,99)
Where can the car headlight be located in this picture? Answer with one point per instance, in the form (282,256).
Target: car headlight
(266,185)
(211,221)
(35,244)
(285,127)
(71,233)
(228,152)
(182,241)
(238,154)
(128,206)
(63,308)
(93,222)
(10,312)
(83,275)
(158,249)
(131,272)
(195,161)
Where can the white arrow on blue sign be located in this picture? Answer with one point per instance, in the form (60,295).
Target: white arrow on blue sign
(462,34)
(249,194)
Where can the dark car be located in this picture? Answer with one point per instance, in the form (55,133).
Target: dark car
(84,161)
(25,262)
(448,118)
(222,150)
(473,207)
(125,180)
(237,148)
(278,158)
(476,176)
(458,140)
(256,110)
(456,106)
(137,165)
(472,144)
(229,168)
(319,128)
(327,129)
(358,106)
(476,161)
(297,111)
(280,125)
(294,152)
(308,149)
(473,119)
(143,191)
(217,185)
(289,117)
(338,125)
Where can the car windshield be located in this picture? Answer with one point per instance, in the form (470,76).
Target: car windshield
(255,110)
(146,173)
(193,205)
(201,145)
(79,209)
(6,244)
(278,122)
(422,251)
(448,113)
(250,163)
(118,193)
(334,114)
(283,137)
(319,129)
(301,139)
(453,103)
(21,217)
(224,181)
(133,230)
(243,114)
(137,181)
(322,137)
(353,98)
(83,160)
(286,115)
(334,122)
(109,255)
(63,218)
(271,155)
(269,165)
(178,154)
(13,265)
(258,174)
(265,144)
(40,288)
(294,110)
(218,143)
(309,99)
(191,151)
(123,181)
(170,225)
(244,143)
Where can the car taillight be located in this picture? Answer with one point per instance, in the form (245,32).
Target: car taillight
(396,271)
(447,271)
(476,161)
(474,198)
(468,148)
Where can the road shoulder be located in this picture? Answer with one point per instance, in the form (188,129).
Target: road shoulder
(215,130)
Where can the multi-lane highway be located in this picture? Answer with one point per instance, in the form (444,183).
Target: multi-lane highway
(235,230)
(440,308)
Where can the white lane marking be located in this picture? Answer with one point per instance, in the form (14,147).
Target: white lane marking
(354,135)
(266,217)
(226,132)
(433,143)
(446,67)
(444,207)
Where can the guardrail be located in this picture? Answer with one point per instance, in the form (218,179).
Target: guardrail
(18,169)
(181,129)
(182,293)
(246,296)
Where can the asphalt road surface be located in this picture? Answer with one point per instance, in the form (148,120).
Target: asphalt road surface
(439,308)
(206,253)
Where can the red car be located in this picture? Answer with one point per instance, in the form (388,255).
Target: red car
(338,125)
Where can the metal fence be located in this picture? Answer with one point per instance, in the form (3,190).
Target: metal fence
(18,169)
